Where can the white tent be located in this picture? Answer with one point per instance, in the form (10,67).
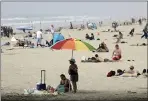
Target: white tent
(13,39)
(90,24)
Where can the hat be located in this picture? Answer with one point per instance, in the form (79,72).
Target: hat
(72,60)
(62,75)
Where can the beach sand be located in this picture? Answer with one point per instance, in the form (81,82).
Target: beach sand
(21,67)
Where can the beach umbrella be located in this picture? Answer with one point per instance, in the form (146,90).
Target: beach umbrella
(72,44)
(24,28)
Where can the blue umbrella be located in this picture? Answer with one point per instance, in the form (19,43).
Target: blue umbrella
(24,28)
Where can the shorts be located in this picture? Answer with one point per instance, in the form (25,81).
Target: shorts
(74,78)
(116,57)
(39,40)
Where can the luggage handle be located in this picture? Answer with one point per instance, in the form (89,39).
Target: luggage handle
(42,77)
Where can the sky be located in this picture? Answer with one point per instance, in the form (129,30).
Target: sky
(112,9)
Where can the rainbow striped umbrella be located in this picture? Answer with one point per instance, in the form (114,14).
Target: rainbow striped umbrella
(73,44)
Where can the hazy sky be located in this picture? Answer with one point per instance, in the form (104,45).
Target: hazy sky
(113,9)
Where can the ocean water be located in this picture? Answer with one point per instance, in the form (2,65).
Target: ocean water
(45,22)
(43,14)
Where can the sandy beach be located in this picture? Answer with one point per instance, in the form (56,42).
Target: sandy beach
(21,67)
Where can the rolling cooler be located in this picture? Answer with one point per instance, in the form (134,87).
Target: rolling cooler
(42,84)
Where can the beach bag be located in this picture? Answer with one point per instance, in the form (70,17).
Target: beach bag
(98,38)
(42,84)
(61,89)
(83,59)
(111,73)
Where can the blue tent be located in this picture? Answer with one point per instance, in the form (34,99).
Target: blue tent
(94,26)
(57,37)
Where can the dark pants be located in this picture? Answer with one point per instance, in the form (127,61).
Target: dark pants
(145,35)
(2,34)
(74,84)
(74,79)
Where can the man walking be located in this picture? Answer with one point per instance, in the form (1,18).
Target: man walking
(145,31)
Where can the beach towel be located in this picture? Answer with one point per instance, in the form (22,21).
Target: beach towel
(129,75)
(61,89)
(111,73)
(37,92)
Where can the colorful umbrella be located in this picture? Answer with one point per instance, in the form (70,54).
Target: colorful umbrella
(73,44)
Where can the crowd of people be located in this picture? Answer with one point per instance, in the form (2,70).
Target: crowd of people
(116,56)
(131,72)
(73,68)
(6,31)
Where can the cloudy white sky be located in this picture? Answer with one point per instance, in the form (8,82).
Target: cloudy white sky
(112,9)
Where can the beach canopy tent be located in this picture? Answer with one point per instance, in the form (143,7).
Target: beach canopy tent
(92,26)
(13,41)
(57,37)
(23,28)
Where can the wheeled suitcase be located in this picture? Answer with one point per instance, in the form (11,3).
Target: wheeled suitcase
(42,84)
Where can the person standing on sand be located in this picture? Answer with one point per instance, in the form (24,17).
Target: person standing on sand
(115,25)
(133,20)
(71,26)
(73,72)
(116,53)
(39,37)
(52,29)
(145,32)
(140,22)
